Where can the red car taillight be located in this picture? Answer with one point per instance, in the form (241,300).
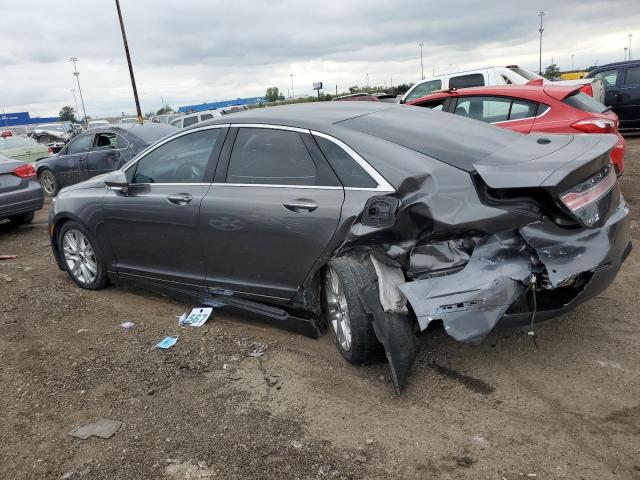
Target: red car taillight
(588,89)
(6,133)
(595,125)
(598,187)
(25,171)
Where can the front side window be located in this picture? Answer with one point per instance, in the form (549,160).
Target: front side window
(270,157)
(177,123)
(181,160)
(632,76)
(433,104)
(424,89)
(608,77)
(466,81)
(80,145)
(351,174)
(190,121)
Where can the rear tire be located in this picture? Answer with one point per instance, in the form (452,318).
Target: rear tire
(24,218)
(351,326)
(81,258)
(49,182)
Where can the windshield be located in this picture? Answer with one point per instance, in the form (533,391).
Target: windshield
(584,102)
(525,73)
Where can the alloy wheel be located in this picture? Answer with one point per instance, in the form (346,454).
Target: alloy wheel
(48,183)
(338,314)
(80,257)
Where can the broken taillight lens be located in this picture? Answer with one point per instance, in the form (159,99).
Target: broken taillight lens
(590,191)
(25,171)
(588,89)
(595,125)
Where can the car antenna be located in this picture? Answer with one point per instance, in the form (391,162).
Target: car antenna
(532,333)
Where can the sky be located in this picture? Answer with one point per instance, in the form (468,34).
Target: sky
(191,51)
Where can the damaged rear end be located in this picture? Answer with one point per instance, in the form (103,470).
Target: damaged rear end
(568,254)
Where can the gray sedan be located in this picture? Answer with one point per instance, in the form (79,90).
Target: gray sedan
(373,220)
(20,193)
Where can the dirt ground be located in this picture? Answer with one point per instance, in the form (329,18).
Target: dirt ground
(205,409)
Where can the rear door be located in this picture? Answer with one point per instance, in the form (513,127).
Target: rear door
(154,228)
(270,214)
(629,97)
(610,79)
(105,153)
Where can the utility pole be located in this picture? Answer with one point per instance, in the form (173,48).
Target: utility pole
(541,14)
(367,80)
(630,35)
(293,94)
(625,53)
(126,50)
(75,100)
(572,61)
(421,44)
(77,74)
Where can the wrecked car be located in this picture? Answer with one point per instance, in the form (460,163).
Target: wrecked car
(370,219)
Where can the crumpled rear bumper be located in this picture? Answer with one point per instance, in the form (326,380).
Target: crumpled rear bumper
(492,287)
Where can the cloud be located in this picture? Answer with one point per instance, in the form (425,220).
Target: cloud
(194,50)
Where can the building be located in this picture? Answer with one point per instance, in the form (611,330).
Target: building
(23,118)
(221,104)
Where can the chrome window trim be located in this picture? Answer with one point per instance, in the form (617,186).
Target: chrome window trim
(527,118)
(273,185)
(383,184)
(266,125)
(151,148)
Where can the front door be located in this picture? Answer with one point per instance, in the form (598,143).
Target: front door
(270,214)
(71,165)
(610,80)
(629,97)
(154,227)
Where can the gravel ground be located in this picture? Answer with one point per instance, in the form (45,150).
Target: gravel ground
(206,409)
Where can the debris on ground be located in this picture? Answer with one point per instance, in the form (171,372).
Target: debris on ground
(360,459)
(103,428)
(196,318)
(258,350)
(8,257)
(167,342)
(188,470)
(127,325)
(7,278)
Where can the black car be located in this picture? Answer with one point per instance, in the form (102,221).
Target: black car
(370,218)
(20,193)
(622,91)
(96,151)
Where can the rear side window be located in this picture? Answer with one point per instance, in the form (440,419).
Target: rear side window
(206,116)
(608,77)
(109,141)
(495,109)
(190,121)
(584,102)
(424,89)
(177,123)
(521,109)
(270,157)
(632,76)
(181,160)
(465,81)
(351,174)
(433,104)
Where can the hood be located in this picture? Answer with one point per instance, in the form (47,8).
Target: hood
(94,182)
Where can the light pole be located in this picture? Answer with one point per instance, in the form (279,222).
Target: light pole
(293,95)
(541,14)
(625,53)
(630,35)
(126,51)
(572,61)
(75,100)
(421,44)
(77,74)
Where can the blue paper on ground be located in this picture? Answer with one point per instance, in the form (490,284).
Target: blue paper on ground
(167,342)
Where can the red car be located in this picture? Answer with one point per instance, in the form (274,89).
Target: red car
(532,108)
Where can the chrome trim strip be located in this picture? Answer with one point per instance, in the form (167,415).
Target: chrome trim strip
(269,185)
(151,148)
(383,185)
(526,118)
(266,125)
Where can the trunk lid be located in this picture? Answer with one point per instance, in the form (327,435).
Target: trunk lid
(8,180)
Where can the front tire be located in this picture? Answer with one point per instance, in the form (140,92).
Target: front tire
(49,182)
(80,257)
(350,325)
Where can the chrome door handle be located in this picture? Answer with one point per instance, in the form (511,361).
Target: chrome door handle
(180,198)
(300,206)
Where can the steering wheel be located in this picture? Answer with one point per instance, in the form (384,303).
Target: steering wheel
(189,171)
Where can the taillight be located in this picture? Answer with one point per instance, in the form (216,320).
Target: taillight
(50,150)
(6,133)
(588,89)
(25,171)
(590,191)
(595,125)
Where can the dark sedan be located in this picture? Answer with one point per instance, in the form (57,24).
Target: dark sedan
(97,151)
(372,219)
(20,193)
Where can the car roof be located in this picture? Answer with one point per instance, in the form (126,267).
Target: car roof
(616,64)
(530,92)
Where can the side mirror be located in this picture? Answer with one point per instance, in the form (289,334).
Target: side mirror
(117,181)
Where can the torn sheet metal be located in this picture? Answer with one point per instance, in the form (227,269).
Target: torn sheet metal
(389,278)
(471,301)
(568,252)
(435,258)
